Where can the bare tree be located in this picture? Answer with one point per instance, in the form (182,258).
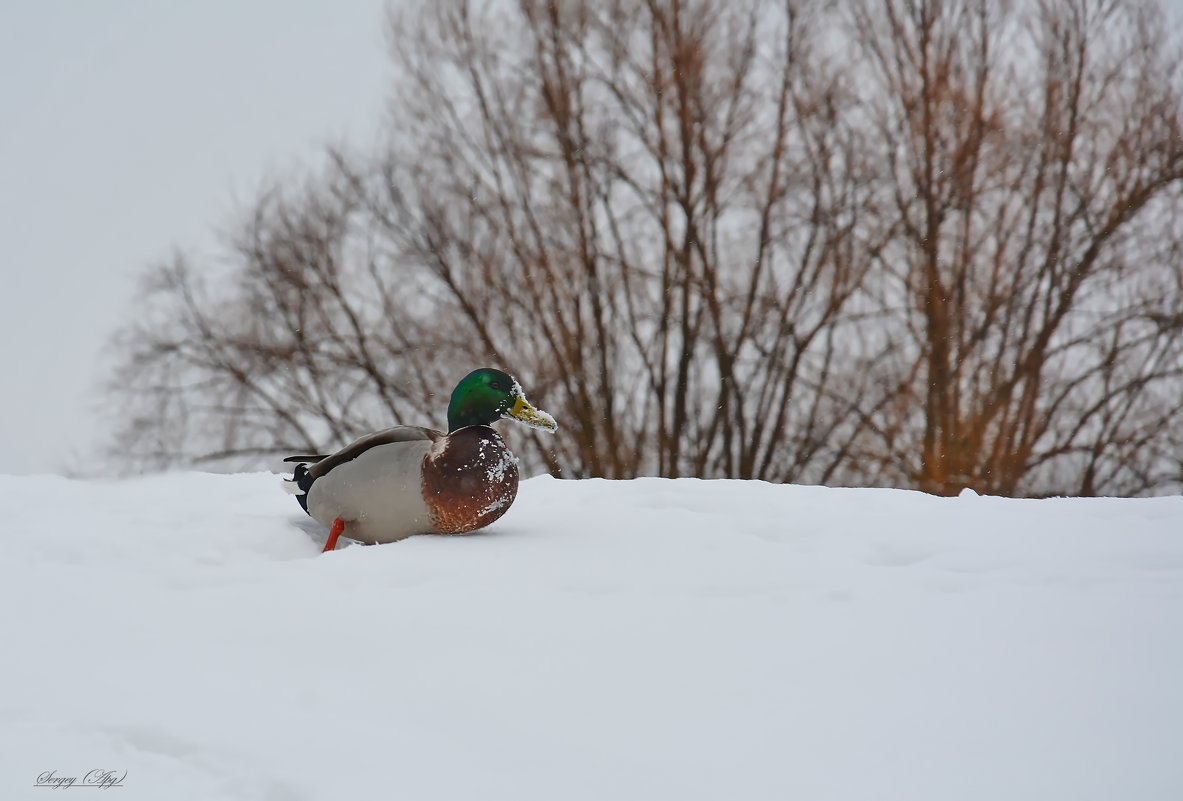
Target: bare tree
(927,244)
(294,347)
(653,209)
(650,211)
(1034,168)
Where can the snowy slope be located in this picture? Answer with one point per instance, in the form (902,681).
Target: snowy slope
(652,639)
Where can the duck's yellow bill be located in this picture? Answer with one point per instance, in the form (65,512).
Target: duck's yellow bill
(523,411)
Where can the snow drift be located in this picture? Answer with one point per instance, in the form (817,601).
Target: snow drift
(649,639)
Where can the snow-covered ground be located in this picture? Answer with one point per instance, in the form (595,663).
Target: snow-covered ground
(652,640)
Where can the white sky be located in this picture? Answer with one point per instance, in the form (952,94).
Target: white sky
(128,127)
(131,126)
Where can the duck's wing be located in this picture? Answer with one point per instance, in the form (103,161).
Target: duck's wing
(323,464)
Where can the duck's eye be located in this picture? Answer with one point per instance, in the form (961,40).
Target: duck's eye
(497,385)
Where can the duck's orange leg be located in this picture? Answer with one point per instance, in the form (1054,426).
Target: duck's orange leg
(334,534)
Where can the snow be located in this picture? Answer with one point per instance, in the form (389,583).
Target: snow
(651,639)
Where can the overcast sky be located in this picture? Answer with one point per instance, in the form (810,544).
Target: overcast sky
(131,126)
(128,127)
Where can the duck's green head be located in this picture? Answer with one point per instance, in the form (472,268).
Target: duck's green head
(486,395)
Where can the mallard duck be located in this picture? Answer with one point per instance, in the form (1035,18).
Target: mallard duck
(409,480)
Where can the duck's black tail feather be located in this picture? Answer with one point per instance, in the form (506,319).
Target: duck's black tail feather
(301,480)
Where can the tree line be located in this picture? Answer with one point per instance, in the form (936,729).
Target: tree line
(918,243)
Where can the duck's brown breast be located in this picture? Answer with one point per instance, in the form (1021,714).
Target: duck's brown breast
(469,480)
